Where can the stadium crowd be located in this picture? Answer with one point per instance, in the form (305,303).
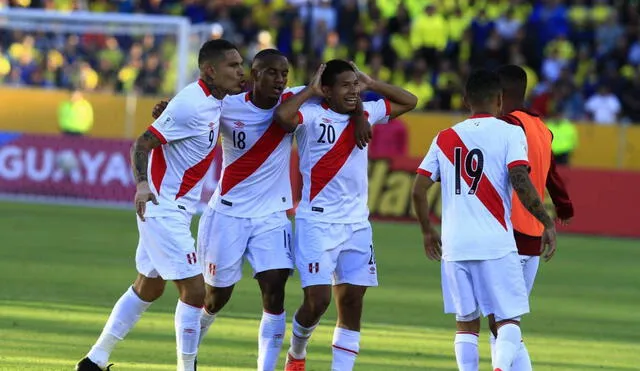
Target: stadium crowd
(582,57)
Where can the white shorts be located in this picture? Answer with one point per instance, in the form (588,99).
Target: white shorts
(529,269)
(488,286)
(327,253)
(166,248)
(224,242)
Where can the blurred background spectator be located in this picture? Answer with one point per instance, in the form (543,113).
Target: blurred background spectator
(582,57)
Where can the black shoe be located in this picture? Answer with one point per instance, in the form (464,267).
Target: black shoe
(86,364)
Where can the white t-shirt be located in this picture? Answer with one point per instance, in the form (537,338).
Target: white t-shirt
(334,169)
(255,179)
(472,161)
(188,130)
(604,108)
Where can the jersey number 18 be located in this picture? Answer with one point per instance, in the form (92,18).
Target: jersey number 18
(473,164)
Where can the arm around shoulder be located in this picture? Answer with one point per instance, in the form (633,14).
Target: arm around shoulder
(288,115)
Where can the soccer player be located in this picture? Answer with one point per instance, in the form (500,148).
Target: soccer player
(527,229)
(246,217)
(479,163)
(181,145)
(333,239)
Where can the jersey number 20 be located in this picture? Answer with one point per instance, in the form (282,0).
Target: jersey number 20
(473,164)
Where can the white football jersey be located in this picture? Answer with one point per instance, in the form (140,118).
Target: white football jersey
(188,130)
(334,170)
(472,161)
(255,179)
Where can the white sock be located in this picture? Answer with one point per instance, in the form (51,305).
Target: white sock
(206,320)
(507,345)
(522,362)
(466,346)
(124,316)
(300,338)
(187,322)
(271,336)
(492,344)
(346,345)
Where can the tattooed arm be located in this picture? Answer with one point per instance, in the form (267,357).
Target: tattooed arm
(519,177)
(139,163)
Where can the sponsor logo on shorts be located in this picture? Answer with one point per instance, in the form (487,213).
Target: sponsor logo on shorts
(372,270)
(314,267)
(212,269)
(191,258)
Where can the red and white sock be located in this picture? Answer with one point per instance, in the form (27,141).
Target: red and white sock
(299,339)
(187,322)
(124,316)
(346,345)
(271,336)
(522,362)
(507,345)
(466,347)
(206,320)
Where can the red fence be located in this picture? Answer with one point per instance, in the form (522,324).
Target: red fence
(97,170)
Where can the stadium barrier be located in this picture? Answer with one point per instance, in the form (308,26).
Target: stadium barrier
(606,147)
(97,172)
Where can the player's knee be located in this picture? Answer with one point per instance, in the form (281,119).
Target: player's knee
(318,302)
(149,289)
(216,298)
(469,322)
(273,301)
(502,321)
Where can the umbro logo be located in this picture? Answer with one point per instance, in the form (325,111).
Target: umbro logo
(211,125)
(238,124)
(326,120)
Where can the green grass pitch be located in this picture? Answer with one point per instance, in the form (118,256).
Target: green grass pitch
(62,269)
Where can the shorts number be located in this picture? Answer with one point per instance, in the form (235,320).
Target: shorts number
(211,138)
(473,165)
(238,139)
(329,133)
(372,257)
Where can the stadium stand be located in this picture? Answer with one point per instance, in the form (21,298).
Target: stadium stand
(570,49)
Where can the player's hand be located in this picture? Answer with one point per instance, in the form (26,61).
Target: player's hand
(364,79)
(143,195)
(564,222)
(432,244)
(315,85)
(362,127)
(159,108)
(548,248)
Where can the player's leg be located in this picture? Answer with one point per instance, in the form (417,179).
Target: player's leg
(315,258)
(147,287)
(502,291)
(174,257)
(355,271)
(459,298)
(222,241)
(530,264)
(269,253)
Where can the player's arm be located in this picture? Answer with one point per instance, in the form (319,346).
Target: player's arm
(427,174)
(139,164)
(400,100)
(559,194)
(159,108)
(288,115)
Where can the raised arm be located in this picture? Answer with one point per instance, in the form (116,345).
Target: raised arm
(287,114)
(519,177)
(401,100)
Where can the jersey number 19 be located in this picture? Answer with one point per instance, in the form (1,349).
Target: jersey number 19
(473,164)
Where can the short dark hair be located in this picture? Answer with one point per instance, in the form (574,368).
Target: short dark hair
(482,86)
(332,69)
(267,54)
(513,79)
(213,50)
